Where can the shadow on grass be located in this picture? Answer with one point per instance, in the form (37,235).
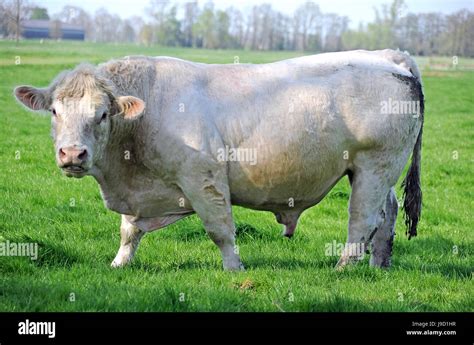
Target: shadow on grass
(252,263)
(444,255)
(53,255)
(188,229)
(247,232)
(39,296)
(436,243)
(338,303)
(32,296)
(48,254)
(265,262)
(192,232)
(448,270)
(151,267)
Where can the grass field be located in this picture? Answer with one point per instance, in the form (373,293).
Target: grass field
(179,268)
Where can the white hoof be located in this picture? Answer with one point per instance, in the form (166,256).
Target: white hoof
(119,262)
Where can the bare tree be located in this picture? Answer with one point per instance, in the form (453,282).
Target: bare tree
(457,38)
(253,26)
(146,35)
(55,30)
(15,12)
(77,16)
(307,18)
(204,28)
(157,11)
(282,35)
(261,27)
(191,12)
(127,32)
(222,29)
(266,34)
(106,26)
(137,24)
(237,30)
(4,18)
(336,26)
(409,35)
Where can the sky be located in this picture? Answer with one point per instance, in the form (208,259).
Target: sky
(356,10)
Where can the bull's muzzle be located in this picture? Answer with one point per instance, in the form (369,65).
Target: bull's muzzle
(73,159)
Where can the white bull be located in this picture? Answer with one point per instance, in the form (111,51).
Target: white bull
(166,138)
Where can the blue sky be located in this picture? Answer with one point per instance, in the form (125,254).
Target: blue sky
(356,10)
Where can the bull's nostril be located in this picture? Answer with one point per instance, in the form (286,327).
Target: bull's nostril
(83,155)
(62,154)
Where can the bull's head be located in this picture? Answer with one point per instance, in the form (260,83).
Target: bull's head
(84,107)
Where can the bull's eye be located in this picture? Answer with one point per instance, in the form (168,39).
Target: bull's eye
(53,111)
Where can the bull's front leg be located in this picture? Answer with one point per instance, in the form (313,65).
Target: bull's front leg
(210,198)
(130,237)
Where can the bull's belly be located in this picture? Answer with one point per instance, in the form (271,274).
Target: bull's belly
(281,189)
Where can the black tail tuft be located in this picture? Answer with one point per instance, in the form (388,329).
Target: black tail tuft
(412,183)
(412,191)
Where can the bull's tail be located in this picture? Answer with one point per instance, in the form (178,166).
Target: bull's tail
(412,190)
(412,184)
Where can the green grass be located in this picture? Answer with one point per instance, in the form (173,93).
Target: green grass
(77,243)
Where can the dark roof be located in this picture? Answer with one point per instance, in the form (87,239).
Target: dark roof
(46,24)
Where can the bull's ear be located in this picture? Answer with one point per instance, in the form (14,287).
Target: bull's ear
(130,107)
(33,98)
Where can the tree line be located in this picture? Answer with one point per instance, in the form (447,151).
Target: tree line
(262,27)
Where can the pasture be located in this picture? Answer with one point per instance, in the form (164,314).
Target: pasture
(179,268)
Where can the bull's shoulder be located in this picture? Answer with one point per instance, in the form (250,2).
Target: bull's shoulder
(131,75)
(126,64)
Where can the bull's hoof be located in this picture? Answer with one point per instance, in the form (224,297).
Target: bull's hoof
(380,262)
(343,262)
(117,263)
(234,268)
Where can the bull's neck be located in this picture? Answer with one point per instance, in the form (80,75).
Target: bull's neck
(121,156)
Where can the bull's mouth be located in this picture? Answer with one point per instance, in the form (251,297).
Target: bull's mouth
(74,171)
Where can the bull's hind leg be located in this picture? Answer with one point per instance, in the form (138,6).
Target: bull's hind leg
(366,213)
(130,237)
(382,241)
